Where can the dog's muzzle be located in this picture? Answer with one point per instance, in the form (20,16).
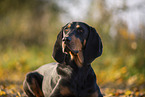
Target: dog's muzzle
(66,39)
(66,47)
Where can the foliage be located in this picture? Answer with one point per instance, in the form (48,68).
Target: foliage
(27,22)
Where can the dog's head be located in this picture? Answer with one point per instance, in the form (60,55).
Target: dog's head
(79,40)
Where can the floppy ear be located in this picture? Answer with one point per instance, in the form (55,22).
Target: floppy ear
(58,55)
(94,46)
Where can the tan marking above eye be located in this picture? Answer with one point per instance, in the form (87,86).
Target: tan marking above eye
(77,26)
(69,25)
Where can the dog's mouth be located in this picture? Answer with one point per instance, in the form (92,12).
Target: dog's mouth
(77,55)
(67,49)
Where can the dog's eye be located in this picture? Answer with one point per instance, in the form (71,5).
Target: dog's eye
(66,30)
(80,30)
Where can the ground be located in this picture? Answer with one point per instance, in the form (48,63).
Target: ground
(15,89)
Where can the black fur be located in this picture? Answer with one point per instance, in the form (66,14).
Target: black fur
(81,81)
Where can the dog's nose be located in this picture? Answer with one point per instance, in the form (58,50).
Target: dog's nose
(66,39)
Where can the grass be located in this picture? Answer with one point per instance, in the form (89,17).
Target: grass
(14,63)
(114,70)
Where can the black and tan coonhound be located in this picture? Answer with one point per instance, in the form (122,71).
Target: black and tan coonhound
(77,45)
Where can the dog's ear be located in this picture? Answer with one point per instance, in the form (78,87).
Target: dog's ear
(94,46)
(58,55)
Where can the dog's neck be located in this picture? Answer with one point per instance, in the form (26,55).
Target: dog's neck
(78,59)
(74,75)
(73,63)
(71,66)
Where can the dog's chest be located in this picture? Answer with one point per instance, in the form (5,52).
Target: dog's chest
(78,82)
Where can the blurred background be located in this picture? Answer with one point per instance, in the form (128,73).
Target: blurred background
(28,30)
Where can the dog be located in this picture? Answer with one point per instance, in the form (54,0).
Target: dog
(76,47)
